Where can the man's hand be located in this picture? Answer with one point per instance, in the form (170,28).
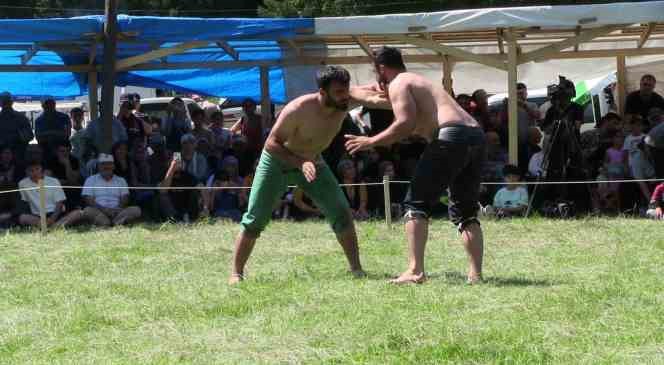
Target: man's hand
(356,144)
(659,214)
(309,170)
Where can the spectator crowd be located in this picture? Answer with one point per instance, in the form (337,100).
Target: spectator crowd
(189,150)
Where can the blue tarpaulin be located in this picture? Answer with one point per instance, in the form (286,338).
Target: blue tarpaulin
(253,39)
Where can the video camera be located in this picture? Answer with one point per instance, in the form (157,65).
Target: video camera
(564,90)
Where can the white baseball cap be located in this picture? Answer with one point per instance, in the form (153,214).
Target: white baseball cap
(103,157)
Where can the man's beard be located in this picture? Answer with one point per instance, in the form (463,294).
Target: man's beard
(330,102)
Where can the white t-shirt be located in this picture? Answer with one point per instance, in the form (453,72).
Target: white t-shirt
(53,195)
(107,198)
(535,163)
(511,198)
(631,145)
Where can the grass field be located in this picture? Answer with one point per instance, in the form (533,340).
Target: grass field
(568,292)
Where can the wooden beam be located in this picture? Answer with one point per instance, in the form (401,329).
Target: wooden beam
(294,46)
(46,68)
(512,106)
(550,50)
(577,31)
(29,54)
(452,51)
(364,45)
(448,67)
(645,35)
(621,85)
(265,96)
(92,54)
(159,53)
(228,49)
(93,95)
(108,85)
(501,47)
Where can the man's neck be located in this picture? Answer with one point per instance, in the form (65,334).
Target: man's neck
(107,178)
(36,181)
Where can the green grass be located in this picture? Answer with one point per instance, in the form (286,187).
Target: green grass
(582,292)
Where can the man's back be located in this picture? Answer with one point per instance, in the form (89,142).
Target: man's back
(435,107)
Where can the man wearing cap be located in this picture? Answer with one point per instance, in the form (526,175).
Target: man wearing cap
(655,140)
(51,126)
(15,129)
(107,197)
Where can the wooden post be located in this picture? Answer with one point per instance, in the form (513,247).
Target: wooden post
(388,202)
(512,108)
(108,70)
(93,95)
(42,207)
(265,96)
(621,85)
(448,66)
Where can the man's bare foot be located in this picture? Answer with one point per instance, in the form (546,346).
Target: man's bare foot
(358,273)
(409,278)
(474,279)
(235,279)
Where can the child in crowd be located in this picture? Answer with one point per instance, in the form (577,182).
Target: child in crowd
(615,161)
(512,200)
(657,203)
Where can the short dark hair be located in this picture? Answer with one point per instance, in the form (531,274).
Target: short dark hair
(648,76)
(511,170)
(325,76)
(390,57)
(33,162)
(521,85)
(76,110)
(198,112)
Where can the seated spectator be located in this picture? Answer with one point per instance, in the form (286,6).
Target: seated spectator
(657,203)
(120,153)
(596,141)
(194,163)
(8,181)
(108,206)
(642,169)
(481,108)
(178,205)
(54,202)
(65,167)
(496,158)
(222,136)
(632,141)
(225,203)
(89,168)
(200,131)
(356,195)
(140,175)
(156,137)
(512,200)
(176,125)
(397,191)
(303,206)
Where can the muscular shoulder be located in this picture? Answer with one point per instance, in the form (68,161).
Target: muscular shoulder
(304,104)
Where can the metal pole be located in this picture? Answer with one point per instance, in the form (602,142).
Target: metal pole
(388,203)
(42,207)
(108,72)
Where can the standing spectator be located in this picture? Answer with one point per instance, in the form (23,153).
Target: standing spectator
(176,125)
(8,181)
(250,127)
(655,140)
(562,108)
(641,101)
(632,141)
(355,194)
(94,139)
(52,125)
(512,200)
(178,205)
(137,128)
(594,142)
(156,137)
(77,131)
(140,176)
(15,129)
(481,108)
(200,131)
(194,162)
(222,135)
(465,101)
(657,203)
(107,196)
(54,202)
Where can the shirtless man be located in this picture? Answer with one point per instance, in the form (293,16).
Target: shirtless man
(292,155)
(453,158)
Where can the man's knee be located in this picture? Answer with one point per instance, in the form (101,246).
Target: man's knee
(468,224)
(342,222)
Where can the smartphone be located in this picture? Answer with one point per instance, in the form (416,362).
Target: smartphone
(177,156)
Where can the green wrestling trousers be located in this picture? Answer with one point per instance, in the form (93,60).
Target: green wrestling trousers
(271,180)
